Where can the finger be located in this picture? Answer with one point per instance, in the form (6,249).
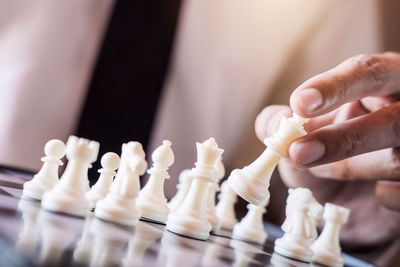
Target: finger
(381,164)
(355,78)
(388,194)
(267,122)
(370,132)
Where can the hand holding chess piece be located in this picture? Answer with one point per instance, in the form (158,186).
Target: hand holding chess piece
(252,182)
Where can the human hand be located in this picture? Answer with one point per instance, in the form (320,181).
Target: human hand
(354,132)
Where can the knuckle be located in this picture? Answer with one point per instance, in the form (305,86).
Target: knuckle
(349,142)
(374,67)
(394,119)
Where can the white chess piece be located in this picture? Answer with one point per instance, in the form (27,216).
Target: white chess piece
(225,208)
(185,180)
(190,217)
(120,203)
(213,188)
(252,182)
(68,195)
(251,227)
(109,163)
(326,248)
(299,225)
(151,201)
(47,177)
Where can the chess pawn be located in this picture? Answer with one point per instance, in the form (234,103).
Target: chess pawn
(68,195)
(190,217)
(83,251)
(213,188)
(251,227)
(252,182)
(151,201)
(145,235)
(185,180)
(326,248)
(119,205)
(47,177)
(299,225)
(28,237)
(109,163)
(225,208)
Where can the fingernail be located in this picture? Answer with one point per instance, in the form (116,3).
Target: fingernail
(305,153)
(310,99)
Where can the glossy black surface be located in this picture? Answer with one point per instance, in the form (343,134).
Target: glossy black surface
(30,235)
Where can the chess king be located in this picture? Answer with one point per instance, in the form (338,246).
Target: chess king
(190,218)
(252,182)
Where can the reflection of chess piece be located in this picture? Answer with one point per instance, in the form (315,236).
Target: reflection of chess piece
(57,233)
(109,163)
(326,248)
(185,181)
(145,235)
(119,205)
(251,227)
(215,251)
(281,261)
(213,188)
(190,217)
(299,226)
(151,201)
(47,177)
(225,208)
(68,195)
(28,237)
(176,248)
(109,243)
(244,253)
(83,249)
(252,182)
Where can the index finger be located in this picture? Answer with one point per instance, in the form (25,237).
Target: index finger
(355,78)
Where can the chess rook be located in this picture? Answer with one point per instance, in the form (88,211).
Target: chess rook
(109,163)
(47,177)
(225,208)
(119,205)
(185,180)
(252,182)
(326,248)
(68,195)
(151,202)
(190,218)
(299,226)
(251,227)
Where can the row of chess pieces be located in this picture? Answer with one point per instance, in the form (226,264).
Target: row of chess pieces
(46,238)
(192,212)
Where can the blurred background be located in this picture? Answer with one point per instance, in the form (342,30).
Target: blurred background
(115,71)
